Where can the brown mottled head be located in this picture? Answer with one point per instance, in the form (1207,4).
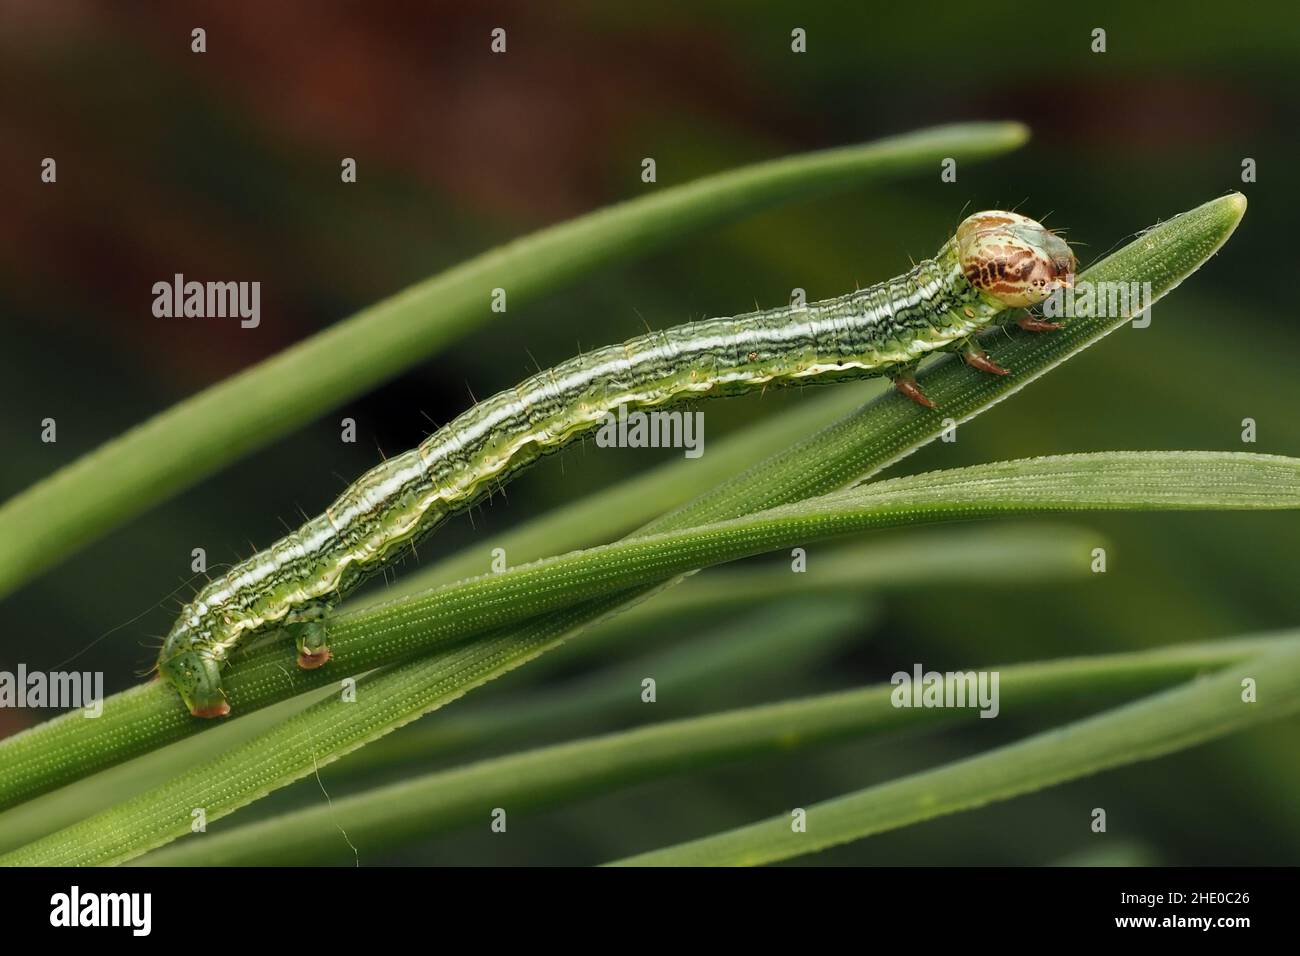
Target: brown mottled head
(1013,260)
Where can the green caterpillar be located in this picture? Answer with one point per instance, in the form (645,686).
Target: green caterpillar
(996,261)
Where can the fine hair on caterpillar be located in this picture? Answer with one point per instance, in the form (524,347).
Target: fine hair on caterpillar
(996,262)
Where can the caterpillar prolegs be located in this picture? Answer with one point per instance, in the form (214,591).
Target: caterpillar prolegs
(996,261)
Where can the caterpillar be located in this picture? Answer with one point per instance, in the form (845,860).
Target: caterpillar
(995,262)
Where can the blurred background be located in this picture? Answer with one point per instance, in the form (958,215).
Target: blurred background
(226,165)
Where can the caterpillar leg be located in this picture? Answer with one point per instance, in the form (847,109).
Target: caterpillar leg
(1031,324)
(311,639)
(197,676)
(905,382)
(976,357)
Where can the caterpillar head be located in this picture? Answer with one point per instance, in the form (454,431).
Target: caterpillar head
(1012,260)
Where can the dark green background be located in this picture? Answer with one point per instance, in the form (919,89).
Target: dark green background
(226,165)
